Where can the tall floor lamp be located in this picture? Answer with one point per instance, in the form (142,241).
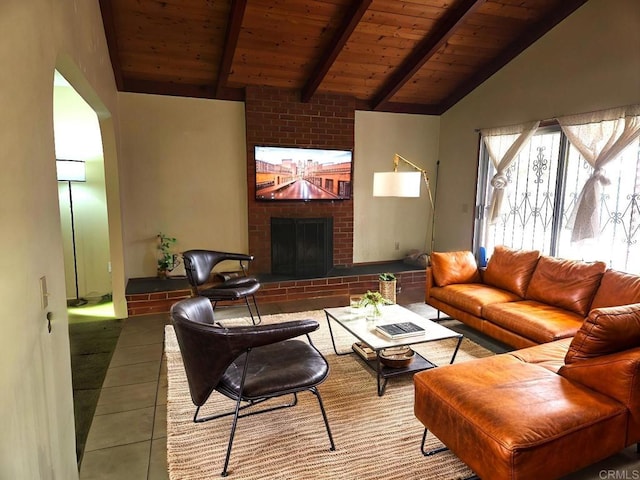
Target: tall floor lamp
(72,171)
(404,184)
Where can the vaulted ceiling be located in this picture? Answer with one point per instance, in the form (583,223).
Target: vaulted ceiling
(419,56)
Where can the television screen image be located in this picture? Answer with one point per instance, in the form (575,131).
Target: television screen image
(293,173)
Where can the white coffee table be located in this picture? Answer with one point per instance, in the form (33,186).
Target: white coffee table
(361,326)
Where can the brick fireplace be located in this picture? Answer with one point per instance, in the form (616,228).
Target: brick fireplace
(275,116)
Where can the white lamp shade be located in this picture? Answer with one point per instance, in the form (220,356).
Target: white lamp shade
(71,170)
(396,184)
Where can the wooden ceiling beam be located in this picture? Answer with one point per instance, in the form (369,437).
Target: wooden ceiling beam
(428,47)
(230,43)
(558,13)
(351,20)
(112,41)
(182,90)
(415,108)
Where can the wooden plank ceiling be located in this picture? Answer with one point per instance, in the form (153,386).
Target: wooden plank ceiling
(419,56)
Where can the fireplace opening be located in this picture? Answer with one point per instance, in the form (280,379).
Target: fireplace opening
(301,247)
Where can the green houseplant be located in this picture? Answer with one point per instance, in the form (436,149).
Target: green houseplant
(165,257)
(374,299)
(387,277)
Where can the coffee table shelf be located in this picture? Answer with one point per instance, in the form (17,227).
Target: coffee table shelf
(363,328)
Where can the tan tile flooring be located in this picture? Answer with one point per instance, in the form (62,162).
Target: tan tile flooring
(128,435)
(128,438)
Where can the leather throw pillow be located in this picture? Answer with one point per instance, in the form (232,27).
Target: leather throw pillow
(605,331)
(454,267)
(511,270)
(568,284)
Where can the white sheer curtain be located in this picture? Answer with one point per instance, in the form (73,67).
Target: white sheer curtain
(599,137)
(503,145)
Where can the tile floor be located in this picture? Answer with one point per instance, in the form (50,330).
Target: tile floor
(127,439)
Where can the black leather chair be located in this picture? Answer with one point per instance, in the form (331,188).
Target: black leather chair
(249,364)
(199,264)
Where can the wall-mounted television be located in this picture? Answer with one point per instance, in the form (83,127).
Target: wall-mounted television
(304,174)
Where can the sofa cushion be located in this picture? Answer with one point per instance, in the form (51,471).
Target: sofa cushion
(547,355)
(617,288)
(534,320)
(606,331)
(471,297)
(454,267)
(511,269)
(568,284)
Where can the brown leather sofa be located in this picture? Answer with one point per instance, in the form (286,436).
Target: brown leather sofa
(523,299)
(543,411)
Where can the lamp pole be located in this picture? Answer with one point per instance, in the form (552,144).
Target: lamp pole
(78,301)
(72,171)
(396,160)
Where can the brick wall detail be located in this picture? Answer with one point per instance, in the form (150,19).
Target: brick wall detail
(160,302)
(276,117)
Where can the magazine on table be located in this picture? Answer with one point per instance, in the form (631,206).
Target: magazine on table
(400,330)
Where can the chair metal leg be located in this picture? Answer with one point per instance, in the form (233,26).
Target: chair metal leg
(251,314)
(253,320)
(249,404)
(315,391)
(257,310)
(233,432)
(235,416)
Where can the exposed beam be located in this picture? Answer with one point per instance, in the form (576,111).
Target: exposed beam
(351,20)
(230,43)
(182,90)
(415,108)
(112,41)
(428,47)
(559,13)
(399,107)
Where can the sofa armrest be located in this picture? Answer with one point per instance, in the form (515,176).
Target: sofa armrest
(428,284)
(616,375)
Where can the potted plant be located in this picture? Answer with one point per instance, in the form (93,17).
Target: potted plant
(165,258)
(387,286)
(375,300)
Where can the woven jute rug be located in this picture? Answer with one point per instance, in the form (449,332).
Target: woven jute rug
(376,437)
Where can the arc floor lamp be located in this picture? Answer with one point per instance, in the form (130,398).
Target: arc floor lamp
(72,171)
(404,184)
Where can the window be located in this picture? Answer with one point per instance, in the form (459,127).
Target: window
(543,185)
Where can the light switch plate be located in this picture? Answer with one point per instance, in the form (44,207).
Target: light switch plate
(44,294)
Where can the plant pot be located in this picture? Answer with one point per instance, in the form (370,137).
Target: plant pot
(388,289)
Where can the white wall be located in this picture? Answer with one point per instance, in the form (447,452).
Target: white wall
(588,62)
(185,175)
(38,437)
(381,223)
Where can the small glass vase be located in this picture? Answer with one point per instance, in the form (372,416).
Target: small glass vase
(373,310)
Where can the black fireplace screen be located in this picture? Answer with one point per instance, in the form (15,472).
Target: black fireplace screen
(301,247)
